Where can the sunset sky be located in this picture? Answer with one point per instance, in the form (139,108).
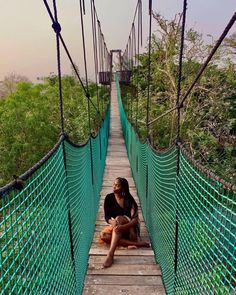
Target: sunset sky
(28,41)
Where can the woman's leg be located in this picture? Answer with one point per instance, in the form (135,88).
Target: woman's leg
(126,243)
(115,238)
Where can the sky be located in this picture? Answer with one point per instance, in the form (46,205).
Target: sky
(28,45)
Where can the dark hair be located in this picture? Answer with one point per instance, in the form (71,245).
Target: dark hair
(129,199)
(125,185)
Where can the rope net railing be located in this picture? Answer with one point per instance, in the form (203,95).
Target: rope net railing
(46,228)
(201,257)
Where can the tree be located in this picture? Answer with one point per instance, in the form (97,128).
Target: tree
(30,121)
(9,83)
(208,117)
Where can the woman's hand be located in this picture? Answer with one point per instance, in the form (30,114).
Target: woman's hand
(112,222)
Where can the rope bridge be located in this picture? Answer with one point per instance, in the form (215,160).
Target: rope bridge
(198,257)
(47,227)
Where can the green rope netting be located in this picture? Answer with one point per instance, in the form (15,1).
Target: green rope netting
(204,211)
(36,236)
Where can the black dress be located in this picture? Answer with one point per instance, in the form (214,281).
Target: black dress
(113,209)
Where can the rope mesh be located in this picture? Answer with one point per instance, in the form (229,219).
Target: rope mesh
(205,211)
(35,240)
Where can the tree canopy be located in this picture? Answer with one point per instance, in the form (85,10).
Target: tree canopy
(30,121)
(208,118)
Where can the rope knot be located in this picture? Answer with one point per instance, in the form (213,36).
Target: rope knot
(18,183)
(180,105)
(178,142)
(56,27)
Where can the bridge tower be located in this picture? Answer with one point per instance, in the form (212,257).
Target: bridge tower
(106,78)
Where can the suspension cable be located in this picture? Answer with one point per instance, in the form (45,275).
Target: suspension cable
(95,49)
(57,28)
(86,79)
(128,52)
(138,65)
(218,43)
(178,136)
(84,47)
(68,54)
(149,67)
(180,75)
(95,62)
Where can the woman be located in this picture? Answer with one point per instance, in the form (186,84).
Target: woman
(121,213)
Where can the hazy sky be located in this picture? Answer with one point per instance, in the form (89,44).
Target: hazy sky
(28,41)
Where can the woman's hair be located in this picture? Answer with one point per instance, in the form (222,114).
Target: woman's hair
(129,199)
(125,185)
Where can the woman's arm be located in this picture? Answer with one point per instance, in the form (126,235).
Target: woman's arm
(126,226)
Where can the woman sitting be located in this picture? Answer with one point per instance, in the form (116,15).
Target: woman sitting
(121,213)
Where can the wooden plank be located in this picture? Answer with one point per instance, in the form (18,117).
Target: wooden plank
(122,252)
(125,270)
(122,289)
(123,280)
(141,260)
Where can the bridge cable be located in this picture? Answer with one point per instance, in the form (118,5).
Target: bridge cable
(57,28)
(82,10)
(68,54)
(178,136)
(139,42)
(99,47)
(95,49)
(131,53)
(218,43)
(149,68)
(95,63)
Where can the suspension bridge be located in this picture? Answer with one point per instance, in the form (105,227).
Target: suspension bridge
(52,214)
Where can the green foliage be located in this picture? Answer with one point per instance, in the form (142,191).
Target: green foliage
(208,118)
(30,121)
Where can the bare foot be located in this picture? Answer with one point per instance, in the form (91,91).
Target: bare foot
(131,247)
(144,244)
(108,261)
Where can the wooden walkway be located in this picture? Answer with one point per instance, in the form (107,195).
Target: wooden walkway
(133,271)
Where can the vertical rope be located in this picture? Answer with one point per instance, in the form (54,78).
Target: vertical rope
(141,23)
(178,138)
(96,65)
(180,77)
(102,52)
(57,28)
(138,49)
(132,65)
(99,44)
(149,67)
(135,49)
(87,89)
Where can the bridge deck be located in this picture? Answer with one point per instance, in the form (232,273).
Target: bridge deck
(134,271)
